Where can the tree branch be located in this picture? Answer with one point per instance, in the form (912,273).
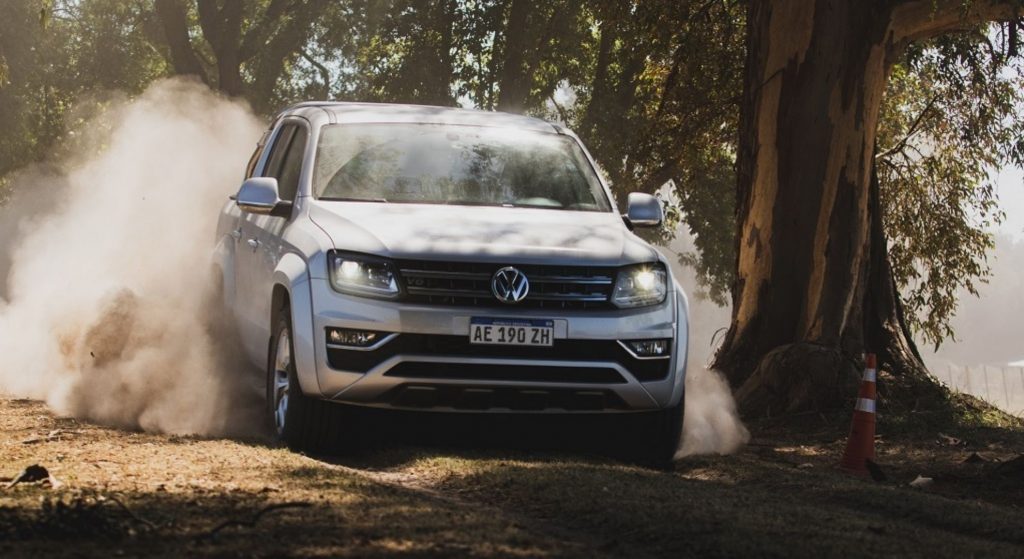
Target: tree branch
(921,19)
(278,48)
(251,522)
(671,78)
(910,133)
(562,114)
(325,74)
(210,22)
(222,27)
(261,30)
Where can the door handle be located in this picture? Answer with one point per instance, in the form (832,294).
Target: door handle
(236,234)
(254,243)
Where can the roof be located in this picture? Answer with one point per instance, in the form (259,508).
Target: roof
(348,113)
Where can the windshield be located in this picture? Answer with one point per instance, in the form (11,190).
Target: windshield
(460,165)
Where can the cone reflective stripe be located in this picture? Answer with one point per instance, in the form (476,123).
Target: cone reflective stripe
(863,404)
(861,445)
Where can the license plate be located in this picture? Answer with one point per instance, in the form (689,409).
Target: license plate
(512,331)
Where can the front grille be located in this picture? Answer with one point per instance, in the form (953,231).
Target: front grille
(469,284)
(644,370)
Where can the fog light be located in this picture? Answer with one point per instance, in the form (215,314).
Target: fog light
(354,338)
(646,349)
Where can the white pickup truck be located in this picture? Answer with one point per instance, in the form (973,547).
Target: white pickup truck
(450,260)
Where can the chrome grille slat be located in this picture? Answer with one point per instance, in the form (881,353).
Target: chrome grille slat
(469,284)
(443,275)
(572,297)
(448,292)
(572,279)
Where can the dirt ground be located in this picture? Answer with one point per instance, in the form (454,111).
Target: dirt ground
(121,493)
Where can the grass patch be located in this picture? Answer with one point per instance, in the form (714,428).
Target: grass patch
(732,506)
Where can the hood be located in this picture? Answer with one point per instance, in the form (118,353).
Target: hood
(486,234)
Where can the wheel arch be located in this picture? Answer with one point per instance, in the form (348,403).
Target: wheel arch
(278,299)
(291,286)
(682,344)
(222,262)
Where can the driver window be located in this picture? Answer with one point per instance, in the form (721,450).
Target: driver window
(288,177)
(284,137)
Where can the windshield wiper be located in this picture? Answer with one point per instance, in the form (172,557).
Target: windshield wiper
(346,199)
(468,203)
(534,206)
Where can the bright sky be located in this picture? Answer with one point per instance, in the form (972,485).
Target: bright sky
(1011,199)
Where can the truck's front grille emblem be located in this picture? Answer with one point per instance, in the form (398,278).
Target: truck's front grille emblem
(510,285)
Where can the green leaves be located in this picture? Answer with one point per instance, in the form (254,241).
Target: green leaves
(651,86)
(951,118)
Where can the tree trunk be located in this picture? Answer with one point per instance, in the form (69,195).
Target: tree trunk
(266,69)
(514,81)
(174,22)
(596,108)
(222,28)
(447,15)
(813,287)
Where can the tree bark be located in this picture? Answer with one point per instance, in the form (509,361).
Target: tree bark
(222,28)
(514,81)
(813,286)
(174,21)
(596,108)
(276,33)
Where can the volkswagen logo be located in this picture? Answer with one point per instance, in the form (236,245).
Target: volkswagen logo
(509,285)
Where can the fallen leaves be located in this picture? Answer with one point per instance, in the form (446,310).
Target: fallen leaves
(948,440)
(54,435)
(921,482)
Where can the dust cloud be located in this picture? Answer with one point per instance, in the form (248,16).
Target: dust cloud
(711,423)
(106,308)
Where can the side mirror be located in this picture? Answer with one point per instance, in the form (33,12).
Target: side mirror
(259,195)
(643,210)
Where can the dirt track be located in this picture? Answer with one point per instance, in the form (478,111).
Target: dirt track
(138,494)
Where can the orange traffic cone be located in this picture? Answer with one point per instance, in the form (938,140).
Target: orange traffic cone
(861,446)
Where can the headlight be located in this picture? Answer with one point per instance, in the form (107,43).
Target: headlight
(363,275)
(640,286)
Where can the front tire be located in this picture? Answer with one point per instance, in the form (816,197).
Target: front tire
(303,423)
(668,434)
(658,435)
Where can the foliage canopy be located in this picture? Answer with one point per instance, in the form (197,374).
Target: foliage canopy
(651,86)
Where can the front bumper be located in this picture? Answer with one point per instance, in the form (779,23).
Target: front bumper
(429,364)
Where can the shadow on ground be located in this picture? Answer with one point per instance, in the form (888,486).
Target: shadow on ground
(500,487)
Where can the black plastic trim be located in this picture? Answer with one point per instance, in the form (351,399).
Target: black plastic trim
(645,370)
(519,373)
